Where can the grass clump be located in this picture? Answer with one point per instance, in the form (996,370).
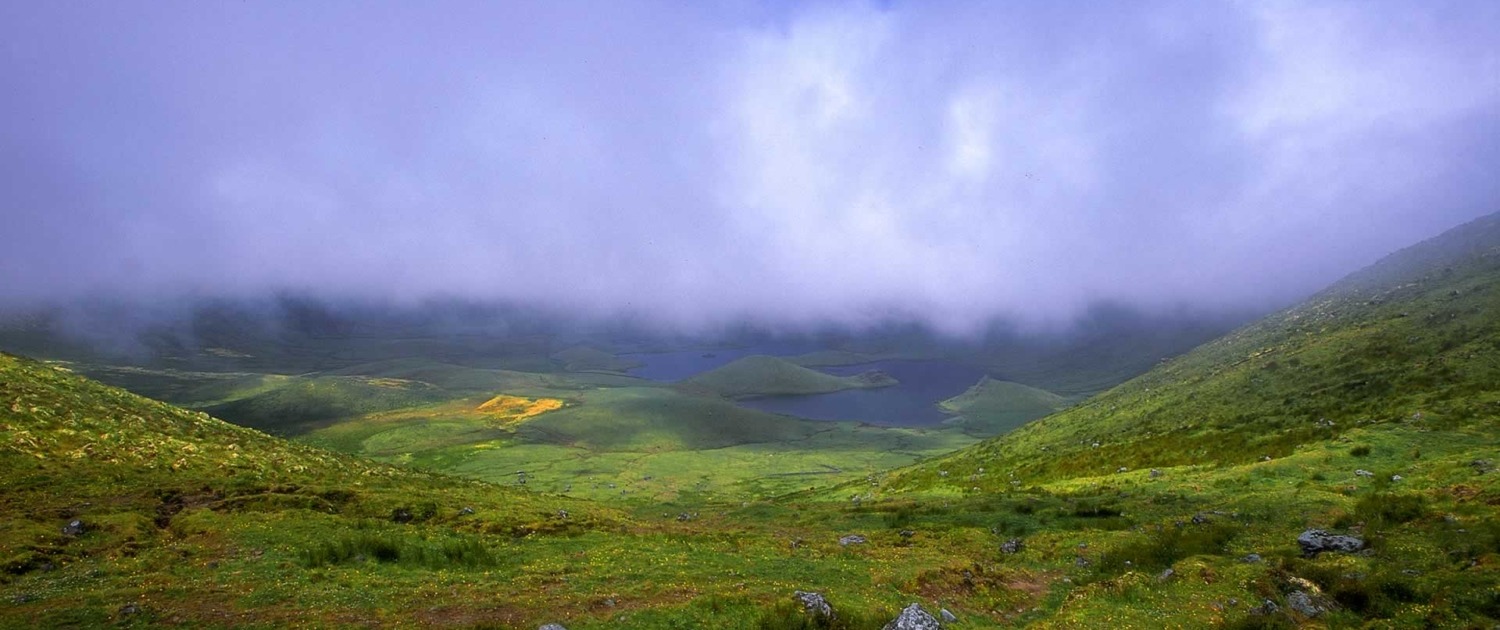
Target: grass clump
(1383,510)
(1164,546)
(459,552)
(792,616)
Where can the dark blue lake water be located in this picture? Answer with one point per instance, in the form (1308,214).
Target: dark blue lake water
(913,402)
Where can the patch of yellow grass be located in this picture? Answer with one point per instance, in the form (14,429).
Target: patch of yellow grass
(517,409)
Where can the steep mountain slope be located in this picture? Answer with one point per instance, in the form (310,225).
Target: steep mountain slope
(1413,339)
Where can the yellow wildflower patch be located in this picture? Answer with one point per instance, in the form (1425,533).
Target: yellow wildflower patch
(517,409)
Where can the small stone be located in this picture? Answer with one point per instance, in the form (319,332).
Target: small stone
(401,515)
(906,533)
(1122,469)
(1012,546)
(562,514)
(1081,562)
(947,616)
(1155,473)
(814,603)
(1304,604)
(1266,607)
(1252,558)
(1200,519)
(1363,473)
(551,626)
(74,528)
(852,539)
(130,609)
(466,511)
(1396,477)
(1166,575)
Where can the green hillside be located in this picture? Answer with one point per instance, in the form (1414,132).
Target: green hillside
(760,375)
(1408,341)
(993,407)
(1372,409)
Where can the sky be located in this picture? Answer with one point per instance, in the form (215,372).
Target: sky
(696,163)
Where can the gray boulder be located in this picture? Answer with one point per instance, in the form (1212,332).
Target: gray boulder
(1012,546)
(552,626)
(814,604)
(1316,541)
(853,539)
(948,617)
(913,618)
(1305,604)
(74,528)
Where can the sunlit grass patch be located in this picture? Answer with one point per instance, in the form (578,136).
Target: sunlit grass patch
(512,410)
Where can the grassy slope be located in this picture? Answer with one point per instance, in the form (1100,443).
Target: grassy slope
(772,376)
(1393,370)
(994,407)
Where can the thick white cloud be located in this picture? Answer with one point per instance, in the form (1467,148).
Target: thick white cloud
(845,162)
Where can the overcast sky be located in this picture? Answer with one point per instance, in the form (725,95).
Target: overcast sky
(701,162)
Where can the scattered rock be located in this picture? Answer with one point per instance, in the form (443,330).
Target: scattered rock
(74,528)
(913,618)
(1081,562)
(852,539)
(1252,558)
(1155,473)
(401,515)
(1482,466)
(907,533)
(948,617)
(685,517)
(814,604)
(1122,469)
(1305,604)
(1316,541)
(1166,575)
(1265,458)
(466,511)
(1011,546)
(551,626)
(1396,477)
(129,609)
(1363,473)
(1266,607)
(23,598)
(942,473)
(562,514)
(1200,519)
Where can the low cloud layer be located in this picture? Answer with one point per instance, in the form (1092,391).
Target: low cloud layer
(702,163)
